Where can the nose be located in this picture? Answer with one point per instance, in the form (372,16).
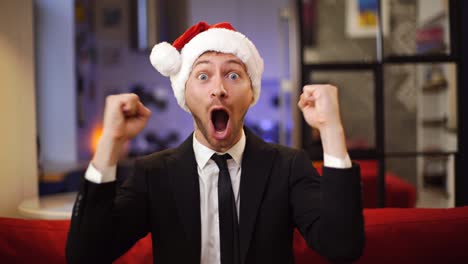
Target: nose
(219,91)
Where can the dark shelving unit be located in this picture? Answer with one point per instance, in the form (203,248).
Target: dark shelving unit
(377,69)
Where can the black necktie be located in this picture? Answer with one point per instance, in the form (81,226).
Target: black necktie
(228,226)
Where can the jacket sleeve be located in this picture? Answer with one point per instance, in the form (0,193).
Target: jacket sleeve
(107,219)
(328,209)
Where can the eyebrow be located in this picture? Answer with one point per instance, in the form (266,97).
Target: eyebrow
(235,62)
(201,62)
(209,62)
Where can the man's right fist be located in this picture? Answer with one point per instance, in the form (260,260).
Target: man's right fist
(124,117)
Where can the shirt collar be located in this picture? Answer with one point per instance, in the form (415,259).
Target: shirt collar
(203,154)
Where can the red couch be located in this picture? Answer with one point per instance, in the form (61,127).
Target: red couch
(398,193)
(393,235)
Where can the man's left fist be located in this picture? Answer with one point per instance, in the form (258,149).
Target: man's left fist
(319,105)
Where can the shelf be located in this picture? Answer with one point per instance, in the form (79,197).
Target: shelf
(435,87)
(441,158)
(341,66)
(435,171)
(435,122)
(435,179)
(429,58)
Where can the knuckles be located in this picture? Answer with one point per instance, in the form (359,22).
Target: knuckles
(320,87)
(319,90)
(127,97)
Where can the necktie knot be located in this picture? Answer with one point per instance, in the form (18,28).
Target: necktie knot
(221,160)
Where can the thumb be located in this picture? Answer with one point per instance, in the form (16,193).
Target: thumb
(143,110)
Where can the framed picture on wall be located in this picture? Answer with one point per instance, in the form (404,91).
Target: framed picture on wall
(362,18)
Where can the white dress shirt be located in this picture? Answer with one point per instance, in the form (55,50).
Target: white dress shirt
(208,173)
(208,180)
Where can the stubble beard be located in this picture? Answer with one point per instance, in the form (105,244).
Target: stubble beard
(220,146)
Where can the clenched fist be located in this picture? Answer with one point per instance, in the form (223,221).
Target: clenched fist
(320,108)
(319,104)
(124,117)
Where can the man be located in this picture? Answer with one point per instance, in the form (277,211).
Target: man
(199,206)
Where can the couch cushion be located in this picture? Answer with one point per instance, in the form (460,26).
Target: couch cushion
(416,235)
(43,241)
(32,241)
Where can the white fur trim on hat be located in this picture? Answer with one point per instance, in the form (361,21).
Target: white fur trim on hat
(214,39)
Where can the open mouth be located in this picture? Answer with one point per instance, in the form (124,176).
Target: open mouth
(220,119)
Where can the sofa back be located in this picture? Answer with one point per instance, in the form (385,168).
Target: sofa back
(416,236)
(407,235)
(393,235)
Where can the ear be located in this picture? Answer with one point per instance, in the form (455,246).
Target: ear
(252,99)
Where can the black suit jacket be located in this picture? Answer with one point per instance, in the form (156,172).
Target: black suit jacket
(279,190)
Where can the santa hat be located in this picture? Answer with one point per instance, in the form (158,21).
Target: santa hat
(176,60)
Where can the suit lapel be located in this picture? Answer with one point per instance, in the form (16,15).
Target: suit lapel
(182,169)
(256,164)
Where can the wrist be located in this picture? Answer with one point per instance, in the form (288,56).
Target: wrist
(107,152)
(333,140)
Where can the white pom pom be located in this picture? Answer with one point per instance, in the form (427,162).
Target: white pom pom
(166,59)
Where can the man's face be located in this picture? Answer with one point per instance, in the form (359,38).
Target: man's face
(218,93)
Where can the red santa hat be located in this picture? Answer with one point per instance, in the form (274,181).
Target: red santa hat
(176,60)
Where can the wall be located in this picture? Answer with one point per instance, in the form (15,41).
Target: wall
(56,79)
(18,170)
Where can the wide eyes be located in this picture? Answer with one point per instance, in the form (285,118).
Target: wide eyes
(233,76)
(202,77)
